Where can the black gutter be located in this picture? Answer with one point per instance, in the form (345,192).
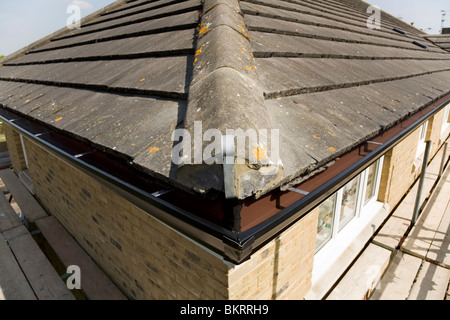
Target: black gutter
(196,228)
(232,246)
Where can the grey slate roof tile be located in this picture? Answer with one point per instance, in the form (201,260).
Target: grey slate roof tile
(442,41)
(270,44)
(148,74)
(310,68)
(304,74)
(150,15)
(161,44)
(134,8)
(284,10)
(125,6)
(325,125)
(129,134)
(258,23)
(187,20)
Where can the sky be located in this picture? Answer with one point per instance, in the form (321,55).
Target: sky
(426,14)
(24,21)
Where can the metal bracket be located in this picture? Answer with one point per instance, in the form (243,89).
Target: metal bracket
(41,133)
(302,192)
(377,143)
(84,153)
(159,193)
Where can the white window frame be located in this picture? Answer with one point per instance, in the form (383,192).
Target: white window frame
(366,207)
(362,209)
(330,252)
(422,137)
(332,222)
(445,123)
(337,213)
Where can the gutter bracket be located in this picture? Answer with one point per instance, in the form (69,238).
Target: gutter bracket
(302,192)
(374,142)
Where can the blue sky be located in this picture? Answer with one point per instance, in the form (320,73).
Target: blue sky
(25,21)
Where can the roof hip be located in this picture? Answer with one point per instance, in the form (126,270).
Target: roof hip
(225,94)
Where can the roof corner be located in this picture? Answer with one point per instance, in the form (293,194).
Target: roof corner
(225,94)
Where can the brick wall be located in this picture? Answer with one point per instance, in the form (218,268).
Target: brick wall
(148,260)
(399,172)
(282,269)
(144,258)
(15,148)
(434,132)
(400,169)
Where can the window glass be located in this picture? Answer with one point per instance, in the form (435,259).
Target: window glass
(446,119)
(447,114)
(348,204)
(445,122)
(371,182)
(421,145)
(325,226)
(423,131)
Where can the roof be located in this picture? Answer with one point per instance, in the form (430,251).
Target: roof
(441,40)
(311,69)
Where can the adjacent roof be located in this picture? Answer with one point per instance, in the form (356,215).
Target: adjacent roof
(312,69)
(441,40)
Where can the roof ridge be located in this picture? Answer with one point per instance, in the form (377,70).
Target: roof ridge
(225,94)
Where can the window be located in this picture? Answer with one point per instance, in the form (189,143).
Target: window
(421,145)
(423,131)
(371,179)
(325,226)
(445,122)
(350,203)
(349,197)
